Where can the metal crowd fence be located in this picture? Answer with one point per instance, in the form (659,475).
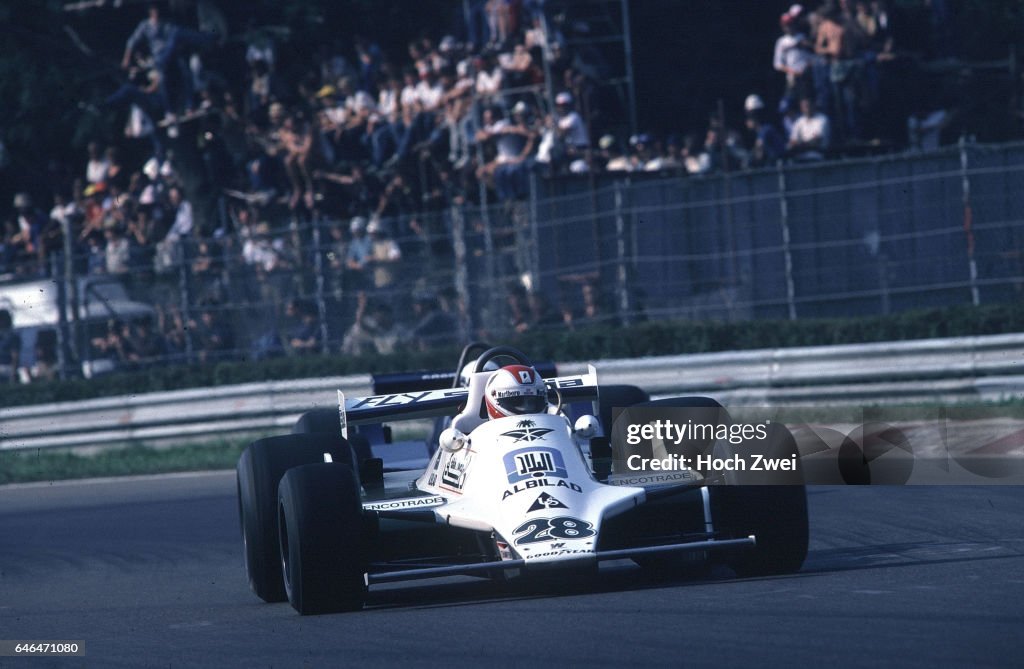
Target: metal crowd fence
(850,238)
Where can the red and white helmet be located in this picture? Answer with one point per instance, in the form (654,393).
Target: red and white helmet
(514,390)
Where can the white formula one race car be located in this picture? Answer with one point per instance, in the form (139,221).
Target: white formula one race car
(512,486)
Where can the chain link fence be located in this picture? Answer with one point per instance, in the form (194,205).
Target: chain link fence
(852,238)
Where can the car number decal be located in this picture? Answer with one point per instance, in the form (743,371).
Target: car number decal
(544,529)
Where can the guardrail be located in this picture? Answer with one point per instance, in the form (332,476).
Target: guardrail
(941,370)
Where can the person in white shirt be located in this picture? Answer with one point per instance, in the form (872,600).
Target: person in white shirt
(97,167)
(182,226)
(793,53)
(409,97)
(811,132)
(488,78)
(570,124)
(429,91)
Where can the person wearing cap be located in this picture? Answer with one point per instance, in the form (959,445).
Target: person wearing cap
(357,257)
(615,159)
(793,53)
(384,253)
(640,151)
(570,126)
(769,147)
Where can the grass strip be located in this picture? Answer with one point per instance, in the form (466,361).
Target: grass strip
(48,465)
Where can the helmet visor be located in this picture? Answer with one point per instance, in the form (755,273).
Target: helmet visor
(523,404)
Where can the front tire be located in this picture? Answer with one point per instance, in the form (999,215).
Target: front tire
(321,543)
(258,473)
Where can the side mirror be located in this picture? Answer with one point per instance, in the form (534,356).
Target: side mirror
(452,439)
(587,427)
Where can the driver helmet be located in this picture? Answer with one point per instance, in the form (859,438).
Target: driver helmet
(514,390)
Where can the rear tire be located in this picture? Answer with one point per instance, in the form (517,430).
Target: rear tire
(327,422)
(258,473)
(676,519)
(775,514)
(617,396)
(321,543)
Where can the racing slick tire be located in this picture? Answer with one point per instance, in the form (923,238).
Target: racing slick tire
(617,396)
(679,519)
(775,514)
(321,543)
(258,473)
(327,421)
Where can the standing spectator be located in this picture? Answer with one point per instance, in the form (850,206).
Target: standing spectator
(513,142)
(299,154)
(572,131)
(10,348)
(153,33)
(477,26)
(499,21)
(838,41)
(811,132)
(359,255)
(183,221)
(385,255)
(168,45)
(142,234)
(793,54)
(117,250)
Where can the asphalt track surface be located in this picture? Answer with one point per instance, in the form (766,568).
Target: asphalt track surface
(148,572)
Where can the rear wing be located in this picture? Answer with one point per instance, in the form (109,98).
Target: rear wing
(445,402)
(394,383)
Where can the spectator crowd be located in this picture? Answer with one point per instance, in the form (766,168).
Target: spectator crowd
(331,227)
